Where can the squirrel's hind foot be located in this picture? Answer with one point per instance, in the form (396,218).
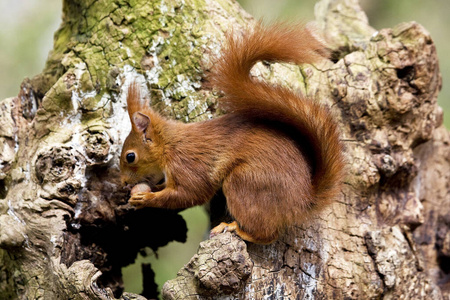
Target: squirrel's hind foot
(234,227)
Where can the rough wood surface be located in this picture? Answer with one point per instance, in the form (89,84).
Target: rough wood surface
(65,230)
(221,266)
(383,87)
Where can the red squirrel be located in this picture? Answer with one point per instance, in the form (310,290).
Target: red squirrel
(275,154)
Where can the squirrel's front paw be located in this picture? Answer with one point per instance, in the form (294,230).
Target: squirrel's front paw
(141,199)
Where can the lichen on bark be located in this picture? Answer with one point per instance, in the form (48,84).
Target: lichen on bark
(382,86)
(60,190)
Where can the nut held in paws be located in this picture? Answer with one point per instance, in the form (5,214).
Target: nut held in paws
(141,188)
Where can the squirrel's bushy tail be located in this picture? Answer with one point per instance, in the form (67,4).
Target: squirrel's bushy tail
(256,99)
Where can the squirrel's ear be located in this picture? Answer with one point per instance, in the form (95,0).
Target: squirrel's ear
(140,121)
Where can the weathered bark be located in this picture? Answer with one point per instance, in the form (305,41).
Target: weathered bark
(65,230)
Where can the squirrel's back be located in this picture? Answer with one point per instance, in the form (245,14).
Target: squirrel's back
(312,124)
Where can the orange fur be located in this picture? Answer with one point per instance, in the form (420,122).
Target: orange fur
(276,155)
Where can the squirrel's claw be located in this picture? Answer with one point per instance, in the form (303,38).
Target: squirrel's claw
(141,199)
(234,227)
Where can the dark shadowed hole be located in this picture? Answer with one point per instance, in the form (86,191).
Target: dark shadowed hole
(169,259)
(114,244)
(444,264)
(2,189)
(407,73)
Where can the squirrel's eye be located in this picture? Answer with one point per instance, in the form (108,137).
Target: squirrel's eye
(131,157)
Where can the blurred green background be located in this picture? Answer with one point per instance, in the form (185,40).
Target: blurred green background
(26,34)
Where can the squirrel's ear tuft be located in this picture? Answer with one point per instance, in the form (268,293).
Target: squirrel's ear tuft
(140,121)
(134,101)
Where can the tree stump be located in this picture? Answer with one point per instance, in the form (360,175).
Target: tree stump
(65,228)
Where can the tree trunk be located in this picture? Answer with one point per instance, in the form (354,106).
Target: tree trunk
(65,231)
